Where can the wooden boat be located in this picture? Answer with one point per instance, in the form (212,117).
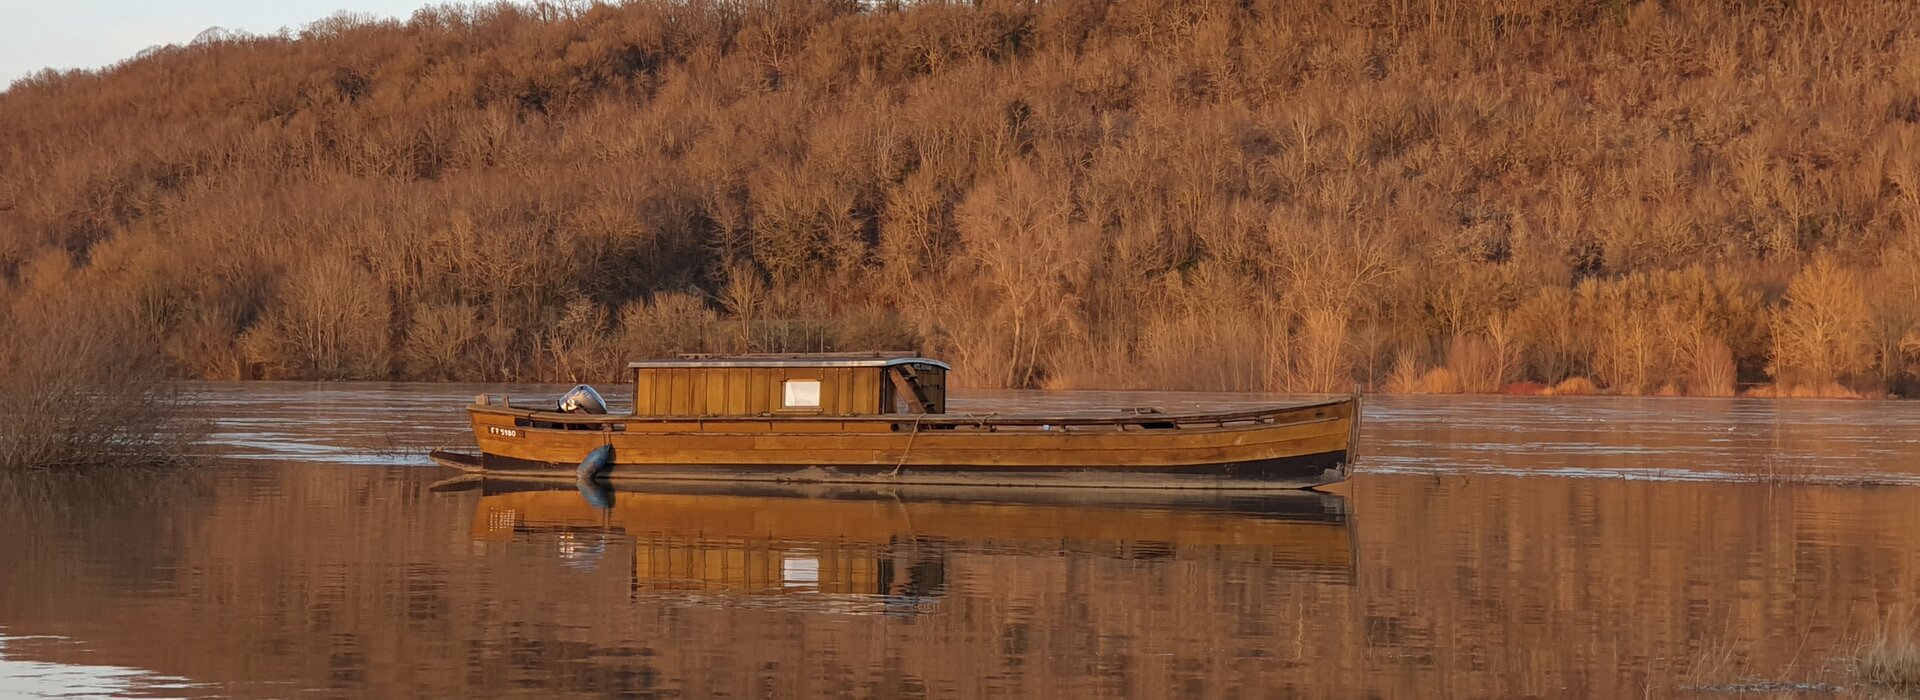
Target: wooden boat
(771,541)
(882,419)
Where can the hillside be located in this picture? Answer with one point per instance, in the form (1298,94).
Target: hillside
(1665,198)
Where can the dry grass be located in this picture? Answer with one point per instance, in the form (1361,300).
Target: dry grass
(1525,389)
(1722,668)
(1439,380)
(1830,390)
(1477,365)
(1574,386)
(1888,663)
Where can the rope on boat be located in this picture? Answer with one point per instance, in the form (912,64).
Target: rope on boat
(909,450)
(979,421)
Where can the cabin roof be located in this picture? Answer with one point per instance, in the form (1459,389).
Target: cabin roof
(815,359)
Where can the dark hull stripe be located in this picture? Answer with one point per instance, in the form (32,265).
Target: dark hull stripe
(1294,505)
(1299,471)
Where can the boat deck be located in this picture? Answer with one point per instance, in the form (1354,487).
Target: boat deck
(1142,418)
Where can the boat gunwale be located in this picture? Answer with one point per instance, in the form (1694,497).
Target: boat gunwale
(1200,421)
(1062,434)
(970,430)
(1187,501)
(786,361)
(913,477)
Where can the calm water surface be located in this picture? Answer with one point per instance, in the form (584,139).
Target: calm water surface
(1491,547)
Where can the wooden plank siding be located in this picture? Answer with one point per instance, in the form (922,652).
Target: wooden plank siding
(1293,430)
(758,391)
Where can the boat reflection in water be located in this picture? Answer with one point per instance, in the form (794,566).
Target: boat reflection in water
(898,549)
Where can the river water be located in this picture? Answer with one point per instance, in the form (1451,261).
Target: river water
(1489,547)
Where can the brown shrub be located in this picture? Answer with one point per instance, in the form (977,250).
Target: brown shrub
(1525,389)
(81,384)
(1026,254)
(1829,390)
(1477,364)
(1710,369)
(1626,345)
(873,329)
(668,324)
(1406,374)
(330,321)
(1439,380)
(579,347)
(1575,386)
(441,342)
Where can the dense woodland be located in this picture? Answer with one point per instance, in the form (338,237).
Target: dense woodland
(1678,197)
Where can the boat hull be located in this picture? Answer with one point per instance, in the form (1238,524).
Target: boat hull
(1294,472)
(1286,447)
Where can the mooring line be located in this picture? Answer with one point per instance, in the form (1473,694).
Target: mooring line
(909,450)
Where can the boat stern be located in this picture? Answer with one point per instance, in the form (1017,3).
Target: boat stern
(1353,434)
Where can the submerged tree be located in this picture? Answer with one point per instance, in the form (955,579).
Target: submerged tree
(82,384)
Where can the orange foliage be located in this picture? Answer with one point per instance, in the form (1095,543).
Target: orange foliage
(1262,195)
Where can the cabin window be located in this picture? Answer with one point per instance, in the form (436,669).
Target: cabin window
(801,393)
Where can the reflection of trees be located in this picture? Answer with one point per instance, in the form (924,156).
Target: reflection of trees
(118,529)
(361,582)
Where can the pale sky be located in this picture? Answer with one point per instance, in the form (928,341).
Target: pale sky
(38,34)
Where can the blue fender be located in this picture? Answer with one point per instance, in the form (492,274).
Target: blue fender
(596,462)
(597,496)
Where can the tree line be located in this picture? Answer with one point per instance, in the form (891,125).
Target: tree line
(1542,195)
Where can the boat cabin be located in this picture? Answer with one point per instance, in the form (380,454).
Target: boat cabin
(818,384)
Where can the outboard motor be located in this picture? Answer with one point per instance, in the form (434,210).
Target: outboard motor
(582,399)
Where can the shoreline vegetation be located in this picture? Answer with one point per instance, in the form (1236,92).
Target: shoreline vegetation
(1545,196)
(1885,664)
(75,393)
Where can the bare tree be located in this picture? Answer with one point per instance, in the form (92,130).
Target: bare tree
(1325,274)
(1820,334)
(329,321)
(1023,250)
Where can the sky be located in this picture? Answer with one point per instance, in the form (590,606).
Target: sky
(96,33)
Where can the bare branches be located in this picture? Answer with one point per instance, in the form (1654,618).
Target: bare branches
(1292,196)
(1820,335)
(81,384)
